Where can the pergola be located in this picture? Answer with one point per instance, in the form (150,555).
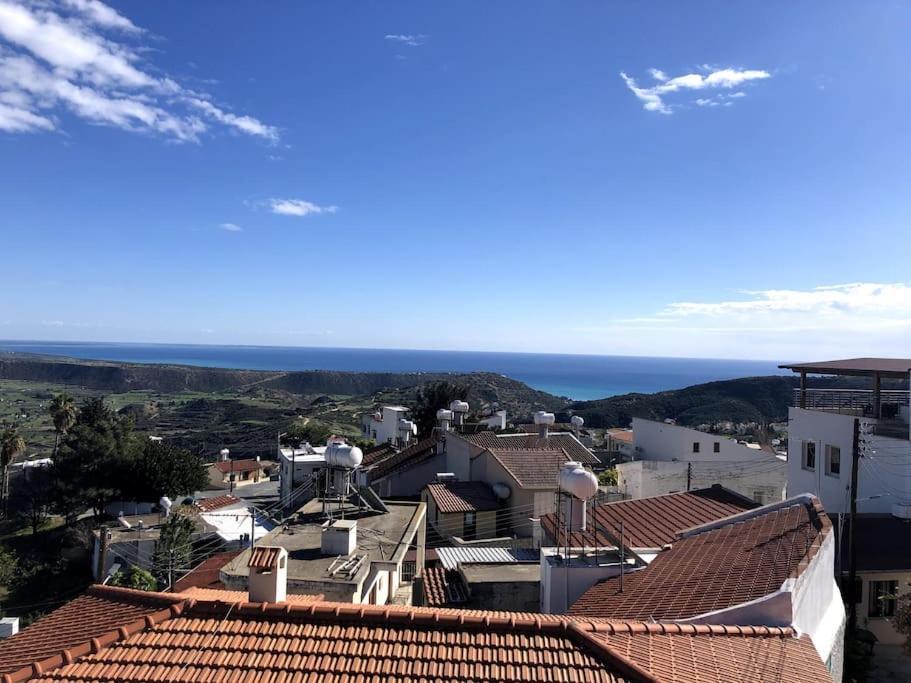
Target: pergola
(875,368)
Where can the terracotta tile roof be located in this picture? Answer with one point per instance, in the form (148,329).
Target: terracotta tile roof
(652,522)
(532,469)
(380,451)
(202,640)
(528,442)
(715,569)
(217,502)
(463,496)
(205,574)
(417,453)
(444,587)
(251,465)
(89,616)
(222,595)
(721,656)
(264,557)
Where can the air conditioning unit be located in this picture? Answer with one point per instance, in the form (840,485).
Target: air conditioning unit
(902,510)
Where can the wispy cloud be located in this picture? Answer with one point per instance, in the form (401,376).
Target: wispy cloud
(412,40)
(824,304)
(80,56)
(653,97)
(298,207)
(231,227)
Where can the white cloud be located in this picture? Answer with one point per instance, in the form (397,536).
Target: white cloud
(58,55)
(884,304)
(412,40)
(231,227)
(100,14)
(652,98)
(298,207)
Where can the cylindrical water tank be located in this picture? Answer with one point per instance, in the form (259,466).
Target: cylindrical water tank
(444,415)
(501,490)
(578,481)
(343,455)
(458,407)
(577,421)
(542,417)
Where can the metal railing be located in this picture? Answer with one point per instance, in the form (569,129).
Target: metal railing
(853,401)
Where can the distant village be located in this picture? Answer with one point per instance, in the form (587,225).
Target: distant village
(497,550)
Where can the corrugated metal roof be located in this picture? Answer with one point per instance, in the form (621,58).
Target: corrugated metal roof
(451,558)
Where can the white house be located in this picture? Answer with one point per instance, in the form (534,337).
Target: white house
(297,469)
(825,427)
(389,425)
(669,458)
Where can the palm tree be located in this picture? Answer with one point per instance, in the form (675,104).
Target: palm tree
(11,445)
(63,412)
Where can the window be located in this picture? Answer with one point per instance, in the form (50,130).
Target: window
(809,455)
(833,461)
(882,599)
(695,447)
(716,447)
(470,523)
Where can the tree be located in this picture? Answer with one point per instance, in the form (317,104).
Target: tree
(92,461)
(63,412)
(312,433)
(136,578)
(608,477)
(430,398)
(902,619)
(32,497)
(11,445)
(8,567)
(158,469)
(174,549)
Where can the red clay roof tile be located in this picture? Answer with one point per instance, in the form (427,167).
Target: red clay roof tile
(715,569)
(463,496)
(554,442)
(652,522)
(199,640)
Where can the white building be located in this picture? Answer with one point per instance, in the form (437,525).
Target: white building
(821,430)
(669,458)
(824,428)
(389,425)
(297,468)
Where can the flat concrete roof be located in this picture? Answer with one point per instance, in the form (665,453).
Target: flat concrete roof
(380,536)
(859,367)
(501,573)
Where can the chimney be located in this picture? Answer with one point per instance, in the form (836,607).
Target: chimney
(268,574)
(340,537)
(543,419)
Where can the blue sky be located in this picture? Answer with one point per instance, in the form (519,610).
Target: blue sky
(459,175)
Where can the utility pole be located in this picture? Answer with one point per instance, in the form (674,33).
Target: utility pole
(852,518)
(689,475)
(171,570)
(252,525)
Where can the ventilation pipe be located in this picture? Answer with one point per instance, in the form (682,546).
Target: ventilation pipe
(459,411)
(444,419)
(577,486)
(543,420)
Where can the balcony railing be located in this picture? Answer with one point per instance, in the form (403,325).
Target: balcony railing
(854,401)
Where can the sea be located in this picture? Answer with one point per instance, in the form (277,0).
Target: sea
(579,377)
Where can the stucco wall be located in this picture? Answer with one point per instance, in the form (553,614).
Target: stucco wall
(644,478)
(888,474)
(661,441)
